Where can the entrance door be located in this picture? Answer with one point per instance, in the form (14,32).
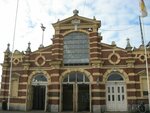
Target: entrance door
(38,97)
(67,97)
(116,96)
(75,92)
(83,97)
(75,97)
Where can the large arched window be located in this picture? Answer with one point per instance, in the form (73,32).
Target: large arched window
(76,49)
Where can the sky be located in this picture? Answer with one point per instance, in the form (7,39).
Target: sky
(119,21)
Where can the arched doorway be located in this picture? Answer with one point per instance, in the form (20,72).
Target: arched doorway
(75,92)
(39,89)
(116,93)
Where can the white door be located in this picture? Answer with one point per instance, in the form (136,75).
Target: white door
(116,96)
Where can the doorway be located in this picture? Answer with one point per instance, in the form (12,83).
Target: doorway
(39,92)
(76,93)
(83,97)
(38,97)
(67,97)
(75,98)
(116,93)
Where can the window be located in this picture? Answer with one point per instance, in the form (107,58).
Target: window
(75,77)
(144,86)
(115,77)
(39,79)
(145,93)
(76,49)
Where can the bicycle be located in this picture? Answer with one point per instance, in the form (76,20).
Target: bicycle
(138,108)
(141,108)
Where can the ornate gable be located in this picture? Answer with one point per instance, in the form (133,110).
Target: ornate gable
(76,22)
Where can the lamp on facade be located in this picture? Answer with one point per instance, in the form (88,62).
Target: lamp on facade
(114,70)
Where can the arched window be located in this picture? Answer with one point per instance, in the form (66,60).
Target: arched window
(115,77)
(75,77)
(39,80)
(76,49)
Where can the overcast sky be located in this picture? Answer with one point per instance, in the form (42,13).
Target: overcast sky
(119,20)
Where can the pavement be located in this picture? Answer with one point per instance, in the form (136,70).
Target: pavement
(2,111)
(5,111)
(34,111)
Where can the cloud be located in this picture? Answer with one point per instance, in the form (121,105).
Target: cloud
(119,20)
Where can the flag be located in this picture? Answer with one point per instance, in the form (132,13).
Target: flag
(143,9)
(148,45)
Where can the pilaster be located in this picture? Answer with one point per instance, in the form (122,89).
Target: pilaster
(54,87)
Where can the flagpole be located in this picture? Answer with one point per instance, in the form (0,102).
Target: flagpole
(142,38)
(146,62)
(13,42)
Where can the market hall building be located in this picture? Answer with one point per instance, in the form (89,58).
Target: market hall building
(76,73)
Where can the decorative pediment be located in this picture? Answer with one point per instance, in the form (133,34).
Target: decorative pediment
(16,52)
(71,22)
(83,20)
(112,47)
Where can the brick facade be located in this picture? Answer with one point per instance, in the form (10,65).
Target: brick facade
(104,59)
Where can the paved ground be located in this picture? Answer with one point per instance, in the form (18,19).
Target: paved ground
(47,112)
(23,112)
(1,111)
